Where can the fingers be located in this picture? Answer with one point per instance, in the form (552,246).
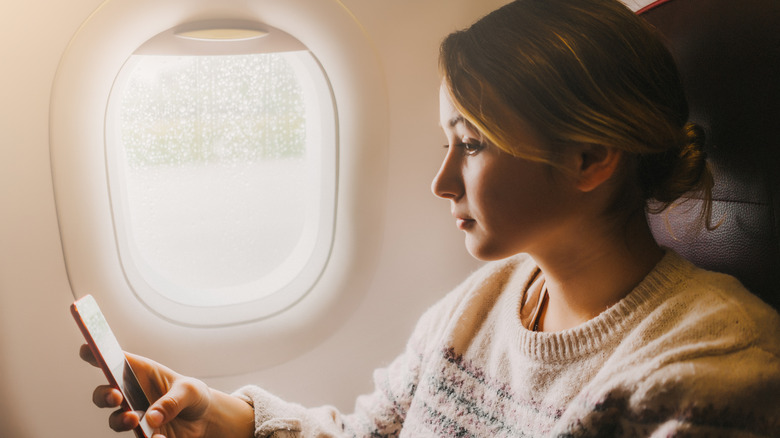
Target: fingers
(106,396)
(121,420)
(86,355)
(173,395)
(153,377)
(184,393)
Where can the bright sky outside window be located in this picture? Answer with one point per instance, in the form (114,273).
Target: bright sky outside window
(223,180)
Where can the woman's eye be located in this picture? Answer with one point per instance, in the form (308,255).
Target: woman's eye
(468,148)
(471,148)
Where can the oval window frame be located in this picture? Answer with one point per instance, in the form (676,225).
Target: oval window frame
(288,284)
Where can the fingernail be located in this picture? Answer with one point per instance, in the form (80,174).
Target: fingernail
(154,418)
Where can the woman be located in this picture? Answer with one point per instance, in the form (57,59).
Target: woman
(565,120)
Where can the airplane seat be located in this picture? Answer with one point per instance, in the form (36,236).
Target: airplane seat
(728,54)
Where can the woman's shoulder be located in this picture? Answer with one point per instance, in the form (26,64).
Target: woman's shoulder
(699,352)
(491,280)
(686,318)
(711,306)
(476,295)
(717,356)
(705,327)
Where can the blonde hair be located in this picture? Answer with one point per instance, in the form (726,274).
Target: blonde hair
(579,72)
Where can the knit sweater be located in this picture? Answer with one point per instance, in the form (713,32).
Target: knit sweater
(687,353)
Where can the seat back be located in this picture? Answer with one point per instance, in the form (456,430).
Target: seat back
(728,53)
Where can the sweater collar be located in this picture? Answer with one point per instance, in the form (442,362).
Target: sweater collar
(614,323)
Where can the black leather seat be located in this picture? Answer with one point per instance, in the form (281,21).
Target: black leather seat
(728,53)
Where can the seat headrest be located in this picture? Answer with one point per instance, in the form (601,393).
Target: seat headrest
(728,54)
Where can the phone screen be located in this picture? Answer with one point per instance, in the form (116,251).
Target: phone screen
(111,358)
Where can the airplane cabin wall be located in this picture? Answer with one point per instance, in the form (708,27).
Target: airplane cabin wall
(45,390)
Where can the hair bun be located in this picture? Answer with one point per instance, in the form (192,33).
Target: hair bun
(668,175)
(695,139)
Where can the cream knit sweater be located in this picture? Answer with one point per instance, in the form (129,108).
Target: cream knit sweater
(687,353)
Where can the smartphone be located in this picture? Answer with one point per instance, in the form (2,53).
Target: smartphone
(111,359)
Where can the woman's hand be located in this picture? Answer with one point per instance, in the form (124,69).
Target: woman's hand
(181,407)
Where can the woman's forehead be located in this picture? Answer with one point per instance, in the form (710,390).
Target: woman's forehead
(449,116)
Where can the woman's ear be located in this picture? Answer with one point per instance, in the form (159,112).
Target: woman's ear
(595,164)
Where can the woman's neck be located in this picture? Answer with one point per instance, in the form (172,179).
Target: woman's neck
(594,270)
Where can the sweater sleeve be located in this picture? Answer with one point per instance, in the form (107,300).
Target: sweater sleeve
(378,414)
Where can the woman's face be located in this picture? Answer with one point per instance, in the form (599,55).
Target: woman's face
(505,205)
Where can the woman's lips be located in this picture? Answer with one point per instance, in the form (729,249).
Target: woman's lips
(464,223)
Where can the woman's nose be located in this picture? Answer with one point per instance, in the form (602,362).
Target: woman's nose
(447,184)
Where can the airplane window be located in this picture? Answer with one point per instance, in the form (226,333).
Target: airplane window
(222,169)
(199,169)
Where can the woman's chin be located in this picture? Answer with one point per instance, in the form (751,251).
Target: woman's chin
(485,252)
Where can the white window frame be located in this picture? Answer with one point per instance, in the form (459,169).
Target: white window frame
(288,283)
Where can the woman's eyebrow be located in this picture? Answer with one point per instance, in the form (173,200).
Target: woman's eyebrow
(454,121)
(457,119)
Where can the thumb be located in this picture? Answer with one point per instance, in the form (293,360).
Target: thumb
(183,394)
